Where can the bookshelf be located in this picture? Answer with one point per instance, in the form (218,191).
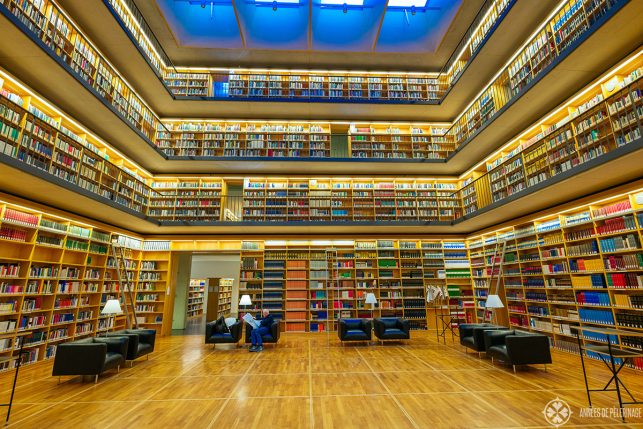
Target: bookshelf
(359,199)
(309,285)
(573,19)
(196,295)
(580,267)
(244,139)
(34,133)
(56,274)
(48,23)
(391,141)
(603,119)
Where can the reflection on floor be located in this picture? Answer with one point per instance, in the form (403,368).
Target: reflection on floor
(312,381)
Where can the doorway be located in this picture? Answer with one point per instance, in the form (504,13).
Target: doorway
(208,274)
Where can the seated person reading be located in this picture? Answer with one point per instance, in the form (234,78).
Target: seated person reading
(264,327)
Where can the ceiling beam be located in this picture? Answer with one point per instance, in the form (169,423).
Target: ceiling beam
(379,27)
(236,15)
(310,24)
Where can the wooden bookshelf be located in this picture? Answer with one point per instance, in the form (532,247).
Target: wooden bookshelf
(388,141)
(573,19)
(56,274)
(360,199)
(33,132)
(47,22)
(604,118)
(196,295)
(581,267)
(309,285)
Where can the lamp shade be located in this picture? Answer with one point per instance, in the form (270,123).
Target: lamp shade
(245,300)
(370,298)
(493,301)
(112,306)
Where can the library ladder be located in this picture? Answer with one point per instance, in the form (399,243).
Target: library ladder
(332,283)
(126,287)
(444,317)
(499,276)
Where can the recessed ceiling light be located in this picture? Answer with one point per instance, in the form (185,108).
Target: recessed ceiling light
(407,3)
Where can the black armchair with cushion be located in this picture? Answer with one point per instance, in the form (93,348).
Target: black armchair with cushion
(518,348)
(271,337)
(354,330)
(141,342)
(392,328)
(215,335)
(90,356)
(472,335)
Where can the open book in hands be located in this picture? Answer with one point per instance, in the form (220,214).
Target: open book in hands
(250,320)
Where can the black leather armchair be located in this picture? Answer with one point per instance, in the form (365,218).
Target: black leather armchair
(518,348)
(90,356)
(271,337)
(354,330)
(213,337)
(472,335)
(141,342)
(392,328)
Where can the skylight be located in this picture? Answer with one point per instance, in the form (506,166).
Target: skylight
(278,1)
(407,3)
(343,2)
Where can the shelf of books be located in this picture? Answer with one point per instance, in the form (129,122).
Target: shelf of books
(245,139)
(581,267)
(33,132)
(51,25)
(197,199)
(573,19)
(604,118)
(326,85)
(390,141)
(309,285)
(55,276)
(224,304)
(196,295)
(326,200)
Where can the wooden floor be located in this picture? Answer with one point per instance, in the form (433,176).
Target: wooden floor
(311,381)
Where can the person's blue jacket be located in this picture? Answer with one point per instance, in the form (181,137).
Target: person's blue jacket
(267,321)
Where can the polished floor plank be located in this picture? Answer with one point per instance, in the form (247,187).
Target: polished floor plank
(264,413)
(355,412)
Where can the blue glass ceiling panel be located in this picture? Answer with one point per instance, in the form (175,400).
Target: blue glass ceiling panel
(318,25)
(200,27)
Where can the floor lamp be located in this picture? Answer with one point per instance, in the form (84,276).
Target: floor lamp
(245,301)
(370,299)
(111,309)
(493,302)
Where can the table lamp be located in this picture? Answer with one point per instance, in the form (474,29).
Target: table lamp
(245,301)
(112,308)
(370,299)
(493,302)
